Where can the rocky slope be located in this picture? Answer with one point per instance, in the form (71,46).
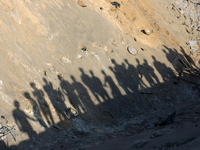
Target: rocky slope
(67,78)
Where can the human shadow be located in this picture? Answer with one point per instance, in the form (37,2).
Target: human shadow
(99,87)
(170,53)
(108,81)
(21,119)
(119,72)
(147,72)
(116,105)
(36,110)
(150,74)
(83,96)
(44,107)
(165,72)
(81,93)
(129,80)
(189,59)
(73,96)
(134,74)
(180,61)
(176,59)
(56,99)
(90,84)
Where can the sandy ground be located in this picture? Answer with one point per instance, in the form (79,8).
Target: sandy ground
(68,82)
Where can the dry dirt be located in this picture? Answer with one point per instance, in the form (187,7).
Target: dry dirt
(67,80)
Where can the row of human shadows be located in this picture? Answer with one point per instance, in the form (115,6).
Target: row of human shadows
(129,79)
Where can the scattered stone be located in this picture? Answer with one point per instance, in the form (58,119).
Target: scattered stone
(176,8)
(81,3)
(198,29)
(106,48)
(84,49)
(101,8)
(80,56)
(116,4)
(50,66)
(1,85)
(132,50)
(194,46)
(71,112)
(66,60)
(185,24)
(147,31)
(187,31)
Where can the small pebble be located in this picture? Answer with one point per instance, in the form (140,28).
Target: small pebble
(84,49)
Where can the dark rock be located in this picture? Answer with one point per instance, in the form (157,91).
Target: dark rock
(116,4)
(84,49)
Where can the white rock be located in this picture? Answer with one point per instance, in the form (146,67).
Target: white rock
(1,84)
(193,45)
(80,56)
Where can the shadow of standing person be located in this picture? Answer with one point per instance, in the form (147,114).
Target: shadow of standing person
(70,91)
(36,110)
(88,82)
(21,120)
(133,75)
(190,60)
(108,80)
(163,70)
(119,72)
(99,87)
(53,96)
(171,54)
(82,94)
(39,95)
(150,74)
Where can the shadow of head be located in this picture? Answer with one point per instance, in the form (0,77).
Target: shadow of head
(153,58)
(16,104)
(33,85)
(27,95)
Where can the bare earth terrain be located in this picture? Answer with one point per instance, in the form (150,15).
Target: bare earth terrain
(100,74)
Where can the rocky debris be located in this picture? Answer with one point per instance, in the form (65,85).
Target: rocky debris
(84,49)
(132,50)
(6,130)
(147,31)
(81,3)
(191,10)
(116,4)
(194,46)
(1,84)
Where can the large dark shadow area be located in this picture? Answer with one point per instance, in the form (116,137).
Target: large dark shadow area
(112,106)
